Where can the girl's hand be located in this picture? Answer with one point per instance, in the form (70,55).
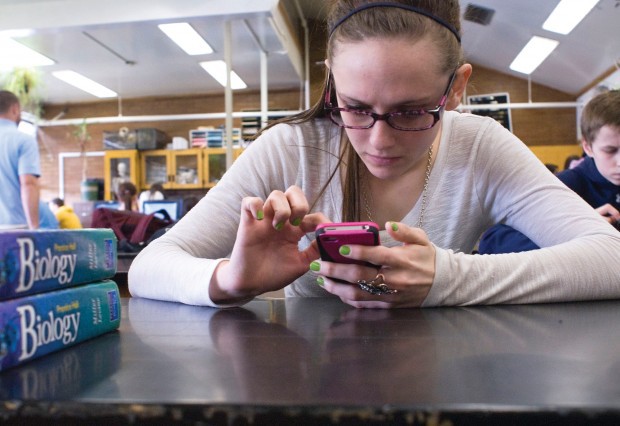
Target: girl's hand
(265,256)
(610,213)
(409,269)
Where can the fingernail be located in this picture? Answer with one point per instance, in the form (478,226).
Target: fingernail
(260,215)
(320,281)
(315,266)
(297,221)
(279,226)
(344,250)
(394,226)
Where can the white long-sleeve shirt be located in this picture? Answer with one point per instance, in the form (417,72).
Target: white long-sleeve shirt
(482,175)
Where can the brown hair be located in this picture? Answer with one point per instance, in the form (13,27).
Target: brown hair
(380,22)
(125,194)
(7,100)
(58,202)
(602,110)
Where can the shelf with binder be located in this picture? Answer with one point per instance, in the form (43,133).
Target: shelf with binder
(212,137)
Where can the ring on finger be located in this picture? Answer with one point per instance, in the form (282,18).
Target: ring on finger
(376,286)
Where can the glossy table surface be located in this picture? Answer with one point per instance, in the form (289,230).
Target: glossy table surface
(318,361)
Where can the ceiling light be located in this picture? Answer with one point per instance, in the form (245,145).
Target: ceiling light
(217,69)
(187,38)
(567,15)
(84,83)
(15,54)
(533,54)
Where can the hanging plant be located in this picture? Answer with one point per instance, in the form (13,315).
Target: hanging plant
(25,84)
(80,132)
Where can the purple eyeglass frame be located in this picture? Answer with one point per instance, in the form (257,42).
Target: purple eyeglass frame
(435,112)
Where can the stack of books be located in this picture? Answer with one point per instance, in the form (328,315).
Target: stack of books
(55,291)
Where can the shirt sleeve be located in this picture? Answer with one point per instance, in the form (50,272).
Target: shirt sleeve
(179,265)
(29,162)
(580,254)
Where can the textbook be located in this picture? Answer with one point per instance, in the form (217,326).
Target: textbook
(43,260)
(35,325)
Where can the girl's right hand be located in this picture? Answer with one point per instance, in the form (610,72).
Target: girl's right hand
(266,256)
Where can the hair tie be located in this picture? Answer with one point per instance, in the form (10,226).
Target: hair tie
(399,6)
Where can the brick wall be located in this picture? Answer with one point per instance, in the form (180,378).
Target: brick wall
(56,139)
(534,126)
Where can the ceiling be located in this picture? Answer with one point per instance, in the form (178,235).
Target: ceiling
(120,46)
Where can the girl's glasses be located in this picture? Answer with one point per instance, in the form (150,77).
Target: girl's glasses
(410,120)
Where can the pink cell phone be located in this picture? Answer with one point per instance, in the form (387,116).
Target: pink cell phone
(331,236)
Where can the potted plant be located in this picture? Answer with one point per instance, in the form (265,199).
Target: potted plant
(88,187)
(24,83)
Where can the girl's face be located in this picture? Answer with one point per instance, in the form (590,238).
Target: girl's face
(384,75)
(605,150)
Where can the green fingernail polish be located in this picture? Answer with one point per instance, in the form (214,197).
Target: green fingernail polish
(344,250)
(320,281)
(260,215)
(394,226)
(279,226)
(297,221)
(315,266)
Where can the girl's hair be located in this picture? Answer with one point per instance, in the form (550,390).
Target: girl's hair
(156,187)
(380,22)
(125,194)
(602,110)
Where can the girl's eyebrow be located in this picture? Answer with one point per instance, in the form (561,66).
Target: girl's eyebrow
(409,104)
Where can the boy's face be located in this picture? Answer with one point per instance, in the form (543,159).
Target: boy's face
(605,150)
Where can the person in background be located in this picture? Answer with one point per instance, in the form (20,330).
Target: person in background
(385,144)
(127,194)
(47,219)
(65,215)
(155,192)
(596,178)
(553,168)
(19,169)
(573,161)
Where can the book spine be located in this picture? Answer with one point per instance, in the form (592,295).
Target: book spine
(36,325)
(39,261)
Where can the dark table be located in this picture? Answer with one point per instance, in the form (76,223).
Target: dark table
(317,361)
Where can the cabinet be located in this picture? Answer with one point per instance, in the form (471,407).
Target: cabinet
(214,165)
(174,169)
(119,166)
(194,168)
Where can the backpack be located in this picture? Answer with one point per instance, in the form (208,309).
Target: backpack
(132,229)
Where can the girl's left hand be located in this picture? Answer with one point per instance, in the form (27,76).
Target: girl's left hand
(409,269)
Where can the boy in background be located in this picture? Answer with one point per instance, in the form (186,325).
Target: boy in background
(596,179)
(67,219)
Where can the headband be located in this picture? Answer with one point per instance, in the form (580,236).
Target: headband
(400,6)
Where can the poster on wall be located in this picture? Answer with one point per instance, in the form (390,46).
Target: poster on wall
(502,115)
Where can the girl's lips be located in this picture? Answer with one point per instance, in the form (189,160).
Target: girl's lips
(380,160)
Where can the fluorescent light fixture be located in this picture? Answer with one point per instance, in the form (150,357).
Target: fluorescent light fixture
(84,83)
(533,54)
(217,69)
(187,38)
(15,54)
(567,15)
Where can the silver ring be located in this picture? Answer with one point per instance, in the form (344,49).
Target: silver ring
(376,286)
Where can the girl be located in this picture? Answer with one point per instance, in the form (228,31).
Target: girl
(385,145)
